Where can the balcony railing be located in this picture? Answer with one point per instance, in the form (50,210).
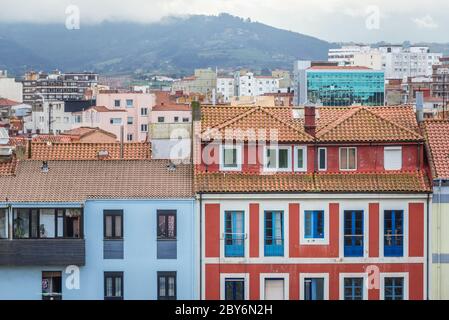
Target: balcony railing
(42,252)
(235,245)
(274,247)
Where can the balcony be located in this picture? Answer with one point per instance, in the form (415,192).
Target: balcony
(42,252)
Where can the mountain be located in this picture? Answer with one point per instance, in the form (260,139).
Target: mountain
(175,45)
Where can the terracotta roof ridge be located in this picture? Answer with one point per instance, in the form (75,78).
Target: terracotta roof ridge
(361,109)
(235,119)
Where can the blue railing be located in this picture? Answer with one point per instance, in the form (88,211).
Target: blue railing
(235,247)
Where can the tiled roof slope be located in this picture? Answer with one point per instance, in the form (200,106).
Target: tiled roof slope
(76,181)
(89,151)
(335,124)
(403,182)
(251,123)
(436,133)
(363,125)
(8,168)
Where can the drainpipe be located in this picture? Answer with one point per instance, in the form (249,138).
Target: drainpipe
(440,183)
(10,223)
(429,263)
(201,247)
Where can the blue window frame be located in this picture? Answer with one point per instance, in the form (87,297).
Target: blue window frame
(353,289)
(314,225)
(314,289)
(393,233)
(394,288)
(353,237)
(235,289)
(234,234)
(274,233)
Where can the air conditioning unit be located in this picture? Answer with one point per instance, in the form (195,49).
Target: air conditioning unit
(5,151)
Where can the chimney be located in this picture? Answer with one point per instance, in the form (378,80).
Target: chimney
(45,167)
(420,106)
(310,119)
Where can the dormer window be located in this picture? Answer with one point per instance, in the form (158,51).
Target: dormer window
(231,157)
(300,159)
(393,158)
(348,159)
(277,158)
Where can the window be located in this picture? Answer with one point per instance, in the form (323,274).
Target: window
(235,289)
(185,120)
(129,137)
(144,111)
(322,159)
(274,289)
(130,120)
(161,119)
(314,289)
(300,158)
(394,288)
(113,286)
(3,224)
(231,158)
(47,223)
(314,225)
(234,234)
(277,158)
(51,285)
(129,103)
(393,158)
(353,289)
(166,283)
(166,225)
(116,121)
(348,158)
(176,119)
(144,128)
(117,103)
(353,233)
(274,233)
(113,225)
(393,233)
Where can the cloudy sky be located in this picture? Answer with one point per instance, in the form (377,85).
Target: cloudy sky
(333,20)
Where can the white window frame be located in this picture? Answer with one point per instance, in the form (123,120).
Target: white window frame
(304,149)
(393,148)
(303,276)
(325,159)
(265,276)
(225,276)
(302,223)
(404,275)
(222,147)
(353,275)
(339,158)
(142,128)
(277,148)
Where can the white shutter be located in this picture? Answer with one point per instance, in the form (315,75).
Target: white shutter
(393,158)
(274,289)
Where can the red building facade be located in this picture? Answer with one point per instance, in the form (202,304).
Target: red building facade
(326,203)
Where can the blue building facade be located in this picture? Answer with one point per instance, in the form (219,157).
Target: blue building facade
(102,248)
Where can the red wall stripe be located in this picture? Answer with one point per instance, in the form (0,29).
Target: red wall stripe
(293,212)
(416,230)
(254,230)
(373,230)
(212,223)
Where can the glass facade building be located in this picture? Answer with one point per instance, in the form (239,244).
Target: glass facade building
(333,87)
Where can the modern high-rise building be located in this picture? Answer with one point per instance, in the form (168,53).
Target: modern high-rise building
(332,85)
(56,86)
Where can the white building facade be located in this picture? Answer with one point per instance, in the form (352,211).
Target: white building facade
(9,88)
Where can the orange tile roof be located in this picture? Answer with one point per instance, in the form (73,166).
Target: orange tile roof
(402,182)
(105,109)
(8,167)
(8,103)
(88,151)
(249,122)
(52,138)
(83,131)
(78,181)
(335,124)
(437,138)
(360,124)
